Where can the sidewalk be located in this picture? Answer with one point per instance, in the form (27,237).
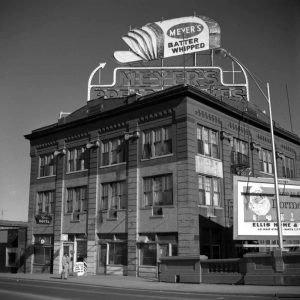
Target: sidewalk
(146,284)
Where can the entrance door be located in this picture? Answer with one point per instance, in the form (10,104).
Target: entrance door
(69,249)
(102,259)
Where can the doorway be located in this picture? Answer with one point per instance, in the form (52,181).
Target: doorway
(69,249)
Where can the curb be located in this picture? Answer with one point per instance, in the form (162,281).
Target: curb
(182,288)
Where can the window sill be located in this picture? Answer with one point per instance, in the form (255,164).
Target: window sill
(74,221)
(111,219)
(112,165)
(156,157)
(209,157)
(42,177)
(210,206)
(78,171)
(38,264)
(157,217)
(162,206)
(265,173)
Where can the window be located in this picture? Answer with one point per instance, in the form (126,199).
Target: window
(209,190)
(77,159)
(265,161)
(43,249)
(157,142)
(117,254)
(45,202)
(113,249)
(114,196)
(288,170)
(148,254)
(46,165)
(158,190)
(208,142)
(156,246)
(113,152)
(210,242)
(240,152)
(76,200)
(11,257)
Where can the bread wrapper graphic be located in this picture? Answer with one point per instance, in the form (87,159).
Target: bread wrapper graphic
(170,38)
(260,205)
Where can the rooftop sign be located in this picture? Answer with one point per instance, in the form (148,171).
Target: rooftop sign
(160,40)
(255,208)
(146,80)
(170,38)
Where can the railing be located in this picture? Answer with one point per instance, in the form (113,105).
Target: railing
(221,265)
(238,158)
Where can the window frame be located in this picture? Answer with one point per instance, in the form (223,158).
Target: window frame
(77,159)
(47,165)
(157,142)
(158,242)
(43,248)
(152,188)
(240,152)
(265,161)
(42,197)
(76,200)
(209,187)
(113,151)
(288,167)
(208,142)
(113,196)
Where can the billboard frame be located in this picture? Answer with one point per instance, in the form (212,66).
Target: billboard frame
(263,229)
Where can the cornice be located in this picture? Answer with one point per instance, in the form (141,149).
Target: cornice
(172,93)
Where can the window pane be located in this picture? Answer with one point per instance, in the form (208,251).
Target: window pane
(39,255)
(148,254)
(105,153)
(199,135)
(104,204)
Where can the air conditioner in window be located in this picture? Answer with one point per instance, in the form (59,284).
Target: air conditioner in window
(157,211)
(75,216)
(112,214)
(210,212)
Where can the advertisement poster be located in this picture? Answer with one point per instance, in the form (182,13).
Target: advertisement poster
(169,38)
(255,209)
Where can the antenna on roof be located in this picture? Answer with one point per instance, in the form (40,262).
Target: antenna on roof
(288,98)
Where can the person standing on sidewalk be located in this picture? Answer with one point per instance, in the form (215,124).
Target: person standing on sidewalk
(65,266)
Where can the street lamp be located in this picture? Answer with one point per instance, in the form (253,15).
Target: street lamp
(225,53)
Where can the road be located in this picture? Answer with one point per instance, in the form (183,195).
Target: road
(22,289)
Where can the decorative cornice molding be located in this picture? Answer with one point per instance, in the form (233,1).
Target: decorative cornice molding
(156,115)
(255,146)
(226,136)
(111,127)
(77,136)
(46,145)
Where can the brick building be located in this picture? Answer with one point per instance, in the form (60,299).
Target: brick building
(121,182)
(12,246)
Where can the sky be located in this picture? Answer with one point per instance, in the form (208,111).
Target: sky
(49,48)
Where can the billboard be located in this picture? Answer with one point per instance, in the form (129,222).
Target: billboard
(169,38)
(254,208)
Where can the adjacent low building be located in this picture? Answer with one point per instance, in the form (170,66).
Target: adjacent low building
(122,182)
(12,246)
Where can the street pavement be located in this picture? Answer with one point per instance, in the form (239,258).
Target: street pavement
(131,282)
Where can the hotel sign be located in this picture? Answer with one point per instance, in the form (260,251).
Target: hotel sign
(255,215)
(151,79)
(43,219)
